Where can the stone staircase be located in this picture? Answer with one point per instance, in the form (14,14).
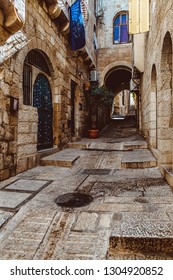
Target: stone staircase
(122,138)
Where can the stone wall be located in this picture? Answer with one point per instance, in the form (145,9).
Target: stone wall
(156,86)
(8,126)
(111,55)
(18,137)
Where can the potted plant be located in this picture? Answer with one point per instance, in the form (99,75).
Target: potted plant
(97,97)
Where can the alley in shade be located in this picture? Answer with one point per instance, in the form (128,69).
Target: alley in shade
(130,214)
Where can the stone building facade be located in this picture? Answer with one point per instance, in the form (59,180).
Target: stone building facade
(113,55)
(156,82)
(39,57)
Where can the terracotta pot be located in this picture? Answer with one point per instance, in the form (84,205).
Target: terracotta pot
(86,86)
(93,133)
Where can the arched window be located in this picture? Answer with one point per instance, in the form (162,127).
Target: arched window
(121,28)
(34,58)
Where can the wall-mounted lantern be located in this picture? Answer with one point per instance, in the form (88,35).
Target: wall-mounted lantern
(14,104)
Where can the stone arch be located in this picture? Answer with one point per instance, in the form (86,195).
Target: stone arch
(116,64)
(18,64)
(117,79)
(27,120)
(166,62)
(36,61)
(153,109)
(164,100)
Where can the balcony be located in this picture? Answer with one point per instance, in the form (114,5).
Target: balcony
(10,21)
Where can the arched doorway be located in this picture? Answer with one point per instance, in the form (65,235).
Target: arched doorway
(164,101)
(42,99)
(118,81)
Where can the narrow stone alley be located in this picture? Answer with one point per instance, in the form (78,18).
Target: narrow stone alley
(130,214)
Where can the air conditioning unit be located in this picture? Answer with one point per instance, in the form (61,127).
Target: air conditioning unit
(93,76)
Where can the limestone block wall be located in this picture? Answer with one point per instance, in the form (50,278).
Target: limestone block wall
(18,130)
(156,86)
(111,55)
(8,124)
(105,33)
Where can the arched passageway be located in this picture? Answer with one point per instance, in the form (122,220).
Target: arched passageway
(118,80)
(37,96)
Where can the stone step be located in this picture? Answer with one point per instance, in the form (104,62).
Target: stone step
(141,158)
(135,247)
(79,145)
(105,146)
(138,164)
(64,158)
(135,145)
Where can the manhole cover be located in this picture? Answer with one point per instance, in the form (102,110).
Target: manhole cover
(96,171)
(73,200)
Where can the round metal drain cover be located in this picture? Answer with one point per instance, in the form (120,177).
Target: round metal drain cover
(73,200)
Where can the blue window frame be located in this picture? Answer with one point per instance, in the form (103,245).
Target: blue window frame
(121,28)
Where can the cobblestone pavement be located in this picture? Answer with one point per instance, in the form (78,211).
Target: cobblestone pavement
(130,216)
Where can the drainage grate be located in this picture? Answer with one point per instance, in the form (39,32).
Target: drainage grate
(73,200)
(96,171)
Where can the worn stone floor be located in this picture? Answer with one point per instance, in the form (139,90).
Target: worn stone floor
(130,216)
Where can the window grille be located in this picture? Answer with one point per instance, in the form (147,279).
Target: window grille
(27,79)
(37,59)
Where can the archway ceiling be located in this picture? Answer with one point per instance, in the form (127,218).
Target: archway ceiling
(118,80)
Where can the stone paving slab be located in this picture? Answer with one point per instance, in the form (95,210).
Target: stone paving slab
(42,173)
(12,200)
(147,229)
(113,162)
(144,216)
(135,203)
(26,185)
(84,223)
(4,217)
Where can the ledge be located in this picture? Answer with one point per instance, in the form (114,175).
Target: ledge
(58,11)
(86,57)
(10,22)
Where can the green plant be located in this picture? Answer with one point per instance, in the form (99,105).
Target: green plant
(99,96)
